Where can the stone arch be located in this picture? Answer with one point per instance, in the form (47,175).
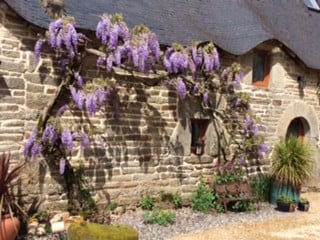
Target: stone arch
(299,109)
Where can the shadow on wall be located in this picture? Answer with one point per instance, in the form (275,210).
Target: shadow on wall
(134,144)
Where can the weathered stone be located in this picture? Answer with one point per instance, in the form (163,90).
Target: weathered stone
(13,66)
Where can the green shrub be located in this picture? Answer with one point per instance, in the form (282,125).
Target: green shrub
(92,231)
(112,206)
(260,187)
(177,200)
(242,206)
(147,202)
(202,199)
(161,217)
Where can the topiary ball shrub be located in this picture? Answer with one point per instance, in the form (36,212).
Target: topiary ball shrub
(93,231)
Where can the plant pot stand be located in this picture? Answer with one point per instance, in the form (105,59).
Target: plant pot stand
(286,207)
(303,207)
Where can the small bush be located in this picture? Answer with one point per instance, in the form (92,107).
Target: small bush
(161,217)
(260,187)
(242,206)
(112,206)
(177,200)
(202,199)
(147,202)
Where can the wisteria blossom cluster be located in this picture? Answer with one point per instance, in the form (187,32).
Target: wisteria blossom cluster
(253,137)
(139,46)
(62,36)
(92,101)
(178,59)
(233,75)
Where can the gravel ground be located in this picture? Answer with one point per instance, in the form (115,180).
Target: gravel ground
(188,221)
(265,223)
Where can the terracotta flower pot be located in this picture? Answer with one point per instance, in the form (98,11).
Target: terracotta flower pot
(9,228)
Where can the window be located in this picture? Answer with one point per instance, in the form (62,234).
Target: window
(198,131)
(261,68)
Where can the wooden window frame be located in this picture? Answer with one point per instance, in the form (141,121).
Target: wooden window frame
(203,126)
(267,68)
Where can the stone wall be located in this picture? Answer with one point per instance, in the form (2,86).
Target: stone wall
(148,149)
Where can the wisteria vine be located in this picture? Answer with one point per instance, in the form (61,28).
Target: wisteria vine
(192,71)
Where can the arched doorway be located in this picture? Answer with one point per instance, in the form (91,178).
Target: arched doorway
(299,128)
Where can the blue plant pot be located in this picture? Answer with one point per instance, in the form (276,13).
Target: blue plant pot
(276,191)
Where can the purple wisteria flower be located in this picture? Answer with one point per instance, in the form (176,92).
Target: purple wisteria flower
(49,135)
(197,56)
(37,49)
(79,79)
(101,61)
(117,56)
(114,36)
(101,96)
(109,63)
(181,89)
(166,60)
(250,127)
(36,150)
(263,149)
(216,59)
(238,78)
(91,104)
(67,139)
(205,98)
(62,165)
(84,141)
(103,29)
(70,39)
(77,96)
(62,109)
(63,64)
(54,29)
(208,62)
(177,61)
(29,144)
(242,160)
(154,45)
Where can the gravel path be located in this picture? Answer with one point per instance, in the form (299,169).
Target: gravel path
(188,221)
(263,224)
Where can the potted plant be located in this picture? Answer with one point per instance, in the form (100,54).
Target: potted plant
(291,167)
(9,222)
(286,204)
(303,204)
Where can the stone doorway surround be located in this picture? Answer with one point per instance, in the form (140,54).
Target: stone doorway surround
(301,110)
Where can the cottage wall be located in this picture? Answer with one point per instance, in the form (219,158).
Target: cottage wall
(148,149)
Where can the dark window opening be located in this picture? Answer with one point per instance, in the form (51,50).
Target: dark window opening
(296,129)
(261,68)
(198,132)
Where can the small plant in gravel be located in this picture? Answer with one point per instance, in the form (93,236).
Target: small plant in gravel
(202,199)
(177,200)
(112,206)
(147,202)
(160,217)
(242,206)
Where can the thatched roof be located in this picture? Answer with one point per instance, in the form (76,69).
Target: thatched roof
(236,26)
